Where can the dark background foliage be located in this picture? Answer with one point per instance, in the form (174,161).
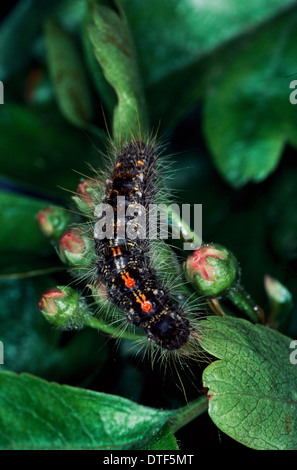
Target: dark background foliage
(216,82)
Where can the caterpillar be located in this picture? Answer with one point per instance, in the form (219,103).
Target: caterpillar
(123,264)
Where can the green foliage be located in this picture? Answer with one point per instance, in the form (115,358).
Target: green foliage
(86,419)
(248,116)
(18,218)
(252,395)
(31,345)
(68,75)
(113,47)
(215,82)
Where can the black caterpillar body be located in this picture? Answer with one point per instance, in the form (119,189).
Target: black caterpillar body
(123,264)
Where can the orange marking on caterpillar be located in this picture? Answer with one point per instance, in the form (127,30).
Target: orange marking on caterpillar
(116,252)
(129,281)
(136,179)
(145,304)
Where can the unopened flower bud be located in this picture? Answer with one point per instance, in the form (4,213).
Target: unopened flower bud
(280,302)
(277,292)
(212,269)
(86,197)
(73,248)
(99,293)
(47,302)
(63,308)
(53,221)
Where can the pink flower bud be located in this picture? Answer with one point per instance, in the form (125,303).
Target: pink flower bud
(47,302)
(63,308)
(53,221)
(72,242)
(211,269)
(87,195)
(74,248)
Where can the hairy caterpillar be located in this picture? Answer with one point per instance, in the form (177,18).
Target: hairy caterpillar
(124,265)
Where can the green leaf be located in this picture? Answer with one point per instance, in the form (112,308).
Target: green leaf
(178,33)
(179,42)
(68,75)
(31,345)
(27,338)
(114,50)
(105,90)
(24,250)
(40,415)
(164,440)
(46,151)
(252,388)
(19,228)
(16,48)
(248,115)
(70,13)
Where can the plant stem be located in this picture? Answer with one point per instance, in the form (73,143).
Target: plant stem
(99,324)
(189,412)
(33,273)
(179,226)
(243,301)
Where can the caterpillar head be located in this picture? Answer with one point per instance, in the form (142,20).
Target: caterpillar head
(170,331)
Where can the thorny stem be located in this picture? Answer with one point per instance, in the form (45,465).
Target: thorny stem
(189,412)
